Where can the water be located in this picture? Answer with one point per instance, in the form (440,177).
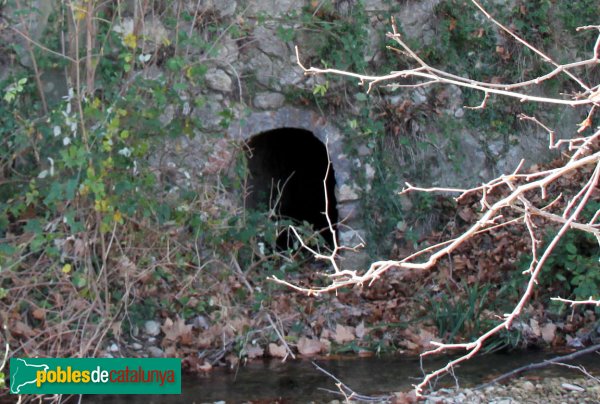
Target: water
(300,382)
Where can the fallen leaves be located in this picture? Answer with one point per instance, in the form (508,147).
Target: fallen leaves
(177,331)
(548,332)
(343,334)
(309,347)
(253,351)
(277,351)
(39,314)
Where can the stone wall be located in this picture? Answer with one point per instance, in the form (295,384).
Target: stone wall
(252,76)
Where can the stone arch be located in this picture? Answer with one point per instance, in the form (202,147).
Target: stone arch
(346,193)
(287,167)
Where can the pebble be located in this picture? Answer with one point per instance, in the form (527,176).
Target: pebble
(155,352)
(113,348)
(151,327)
(528,386)
(136,346)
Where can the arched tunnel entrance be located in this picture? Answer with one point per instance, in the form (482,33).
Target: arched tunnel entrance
(287,167)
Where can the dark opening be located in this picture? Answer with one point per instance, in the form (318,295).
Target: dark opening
(293,163)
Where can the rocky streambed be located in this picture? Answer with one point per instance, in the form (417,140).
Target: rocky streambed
(523,390)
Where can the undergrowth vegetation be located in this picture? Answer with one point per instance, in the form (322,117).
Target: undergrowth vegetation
(102,230)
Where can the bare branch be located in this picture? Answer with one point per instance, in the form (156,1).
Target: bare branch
(591,301)
(507,193)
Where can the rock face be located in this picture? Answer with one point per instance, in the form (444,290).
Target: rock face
(218,80)
(268,100)
(252,82)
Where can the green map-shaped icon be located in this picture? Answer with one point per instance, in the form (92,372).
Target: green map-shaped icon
(23,373)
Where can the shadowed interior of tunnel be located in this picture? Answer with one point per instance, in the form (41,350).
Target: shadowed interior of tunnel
(290,165)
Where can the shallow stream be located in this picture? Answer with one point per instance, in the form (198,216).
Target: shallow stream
(300,382)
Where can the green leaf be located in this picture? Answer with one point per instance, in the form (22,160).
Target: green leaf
(175,64)
(180,86)
(78,280)
(7,249)
(361,96)
(33,226)
(571,248)
(55,194)
(70,188)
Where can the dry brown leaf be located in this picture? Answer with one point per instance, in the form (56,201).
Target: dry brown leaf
(309,346)
(405,397)
(233,360)
(39,314)
(535,327)
(204,341)
(360,330)
(170,351)
(459,262)
(587,122)
(452,25)
(426,337)
(343,334)
(254,351)
(22,329)
(177,330)
(79,248)
(116,329)
(277,351)
(466,214)
(548,332)
(326,344)
(327,334)
(411,346)
(239,323)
